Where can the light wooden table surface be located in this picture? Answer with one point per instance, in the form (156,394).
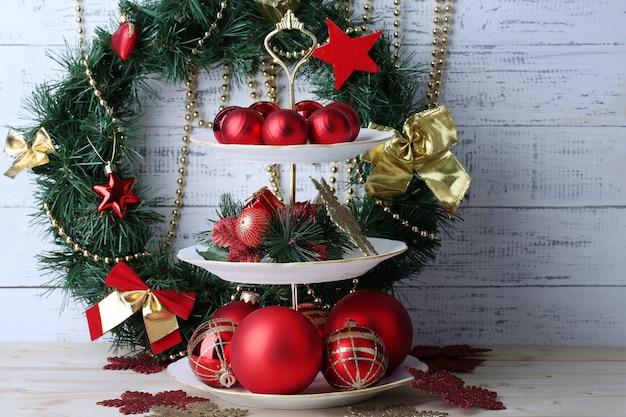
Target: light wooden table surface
(66,379)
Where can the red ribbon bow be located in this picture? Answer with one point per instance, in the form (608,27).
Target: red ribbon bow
(159,308)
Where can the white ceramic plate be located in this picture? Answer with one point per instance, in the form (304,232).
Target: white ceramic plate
(294,154)
(353,265)
(318,395)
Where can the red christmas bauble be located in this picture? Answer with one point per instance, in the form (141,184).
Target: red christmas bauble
(316,315)
(354,357)
(382,313)
(355,119)
(242,127)
(284,127)
(237,310)
(307,107)
(219,119)
(328,125)
(209,352)
(276,350)
(264,107)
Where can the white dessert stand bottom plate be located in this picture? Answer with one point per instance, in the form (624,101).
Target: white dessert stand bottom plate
(318,395)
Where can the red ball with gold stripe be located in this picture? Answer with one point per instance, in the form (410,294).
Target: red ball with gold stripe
(316,315)
(208,352)
(354,357)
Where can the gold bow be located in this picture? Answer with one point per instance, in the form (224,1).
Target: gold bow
(28,156)
(423,147)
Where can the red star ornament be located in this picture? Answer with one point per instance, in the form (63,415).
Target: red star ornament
(347,54)
(116,195)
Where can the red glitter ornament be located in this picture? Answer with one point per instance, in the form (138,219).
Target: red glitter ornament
(381,313)
(242,127)
(275,350)
(354,357)
(116,194)
(347,54)
(284,127)
(251,226)
(142,363)
(329,125)
(223,233)
(209,352)
(455,358)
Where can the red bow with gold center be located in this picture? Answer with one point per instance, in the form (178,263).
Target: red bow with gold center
(423,147)
(159,308)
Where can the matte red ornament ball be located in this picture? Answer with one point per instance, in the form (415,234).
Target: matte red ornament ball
(209,352)
(328,126)
(236,310)
(219,119)
(354,357)
(242,127)
(276,350)
(381,313)
(353,116)
(284,127)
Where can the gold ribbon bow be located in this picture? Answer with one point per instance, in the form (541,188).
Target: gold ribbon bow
(28,156)
(423,147)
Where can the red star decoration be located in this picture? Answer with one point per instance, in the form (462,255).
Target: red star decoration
(116,194)
(347,54)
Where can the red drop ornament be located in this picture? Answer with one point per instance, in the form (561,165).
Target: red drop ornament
(275,350)
(124,39)
(381,313)
(209,352)
(354,357)
(328,125)
(353,116)
(284,127)
(242,127)
(219,119)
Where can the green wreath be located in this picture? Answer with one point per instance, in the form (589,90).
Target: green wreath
(90,242)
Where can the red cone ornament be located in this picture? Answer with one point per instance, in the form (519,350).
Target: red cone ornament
(124,39)
(275,350)
(209,353)
(381,313)
(354,357)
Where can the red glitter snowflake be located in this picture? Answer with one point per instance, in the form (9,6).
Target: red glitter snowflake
(142,363)
(454,358)
(137,402)
(453,390)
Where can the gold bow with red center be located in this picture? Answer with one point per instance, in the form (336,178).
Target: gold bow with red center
(27,155)
(423,147)
(159,308)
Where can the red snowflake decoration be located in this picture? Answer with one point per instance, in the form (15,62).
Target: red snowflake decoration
(454,358)
(453,390)
(142,363)
(137,402)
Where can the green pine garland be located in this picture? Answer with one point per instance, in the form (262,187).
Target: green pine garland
(168,32)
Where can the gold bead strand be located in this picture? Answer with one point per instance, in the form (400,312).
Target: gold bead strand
(397,33)
(441,31)
(367,16)
(190,115)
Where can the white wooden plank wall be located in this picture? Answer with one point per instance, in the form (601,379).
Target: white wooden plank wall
(538,91)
